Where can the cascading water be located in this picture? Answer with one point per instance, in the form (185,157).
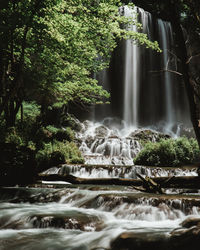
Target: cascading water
(149,99)
(145,94)
(102,144)
(130,172)
(165,31)
(131,78)
(86,219)
(145,90)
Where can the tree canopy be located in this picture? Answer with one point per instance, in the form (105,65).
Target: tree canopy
(51,49)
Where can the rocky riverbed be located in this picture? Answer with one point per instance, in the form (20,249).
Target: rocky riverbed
(61,215)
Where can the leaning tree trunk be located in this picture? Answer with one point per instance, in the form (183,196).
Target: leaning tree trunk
(174,18)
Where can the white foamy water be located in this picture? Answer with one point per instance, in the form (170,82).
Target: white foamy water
(84,219)
(129,172)
(106,143)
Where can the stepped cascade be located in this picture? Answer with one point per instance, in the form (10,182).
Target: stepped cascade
(93,217)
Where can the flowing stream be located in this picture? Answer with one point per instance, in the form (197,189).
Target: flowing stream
(83,218)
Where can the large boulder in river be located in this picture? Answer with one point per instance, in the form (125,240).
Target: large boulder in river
(187,237)
(190,222)
(140,241)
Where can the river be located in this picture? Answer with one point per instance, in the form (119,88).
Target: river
(64,216)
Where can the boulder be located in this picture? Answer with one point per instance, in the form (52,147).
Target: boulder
(101,131)
(140,241)
(148,135)
(185,238)
(190,222)
(75,221)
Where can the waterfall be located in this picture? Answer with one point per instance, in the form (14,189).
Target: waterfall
(145,91)
(165,32)
(131,78)
(147,100)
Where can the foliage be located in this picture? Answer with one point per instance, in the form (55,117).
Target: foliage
(29,147)
(50,50)
(17,164)
(31,110)
(13,137)
(49,133)
(56,152)
(170,152)
(65,134)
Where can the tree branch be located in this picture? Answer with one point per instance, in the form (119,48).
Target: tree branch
(166,70)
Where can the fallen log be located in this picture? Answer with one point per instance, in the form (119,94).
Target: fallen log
(164,182)
(150,186)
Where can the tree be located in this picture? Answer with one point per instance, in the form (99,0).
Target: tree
(17,20)
(50,50)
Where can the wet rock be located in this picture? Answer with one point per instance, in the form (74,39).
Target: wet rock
(32,195)
(73,221)
(179,239)
(75,124)
(140,241)
(86,125)
(188,132)
(190,222)
(89,140)
(185,239)
(198,171)
(148,135)
(188,236)
(101,131)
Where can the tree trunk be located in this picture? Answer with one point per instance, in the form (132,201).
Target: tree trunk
(174,18)
(22,113)
(164,182)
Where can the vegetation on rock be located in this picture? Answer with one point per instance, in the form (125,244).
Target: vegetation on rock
(170,152)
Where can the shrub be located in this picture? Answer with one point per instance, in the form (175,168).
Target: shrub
(169,152)
(65,134)
(17,164)
(56,158)
(53,130)
(42,136)
(12,136)
(56,153)
(50,133)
